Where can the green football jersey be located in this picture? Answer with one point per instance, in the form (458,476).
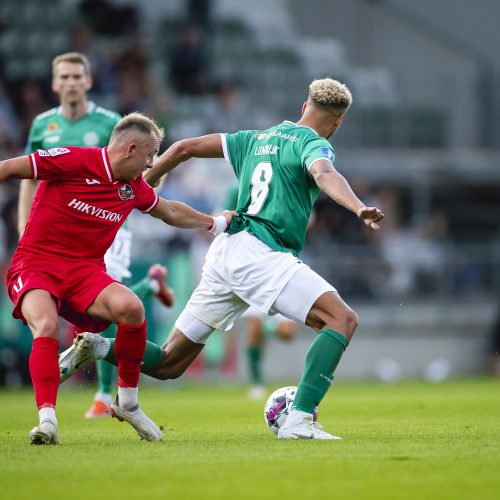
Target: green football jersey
(231,199)
(52,130)
(276,191)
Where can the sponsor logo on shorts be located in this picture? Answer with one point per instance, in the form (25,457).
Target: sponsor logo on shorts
(19,285)
(100,213)
(126,192)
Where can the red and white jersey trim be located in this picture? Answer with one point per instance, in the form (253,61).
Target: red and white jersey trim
(106,166)
(157,199)
(33,166)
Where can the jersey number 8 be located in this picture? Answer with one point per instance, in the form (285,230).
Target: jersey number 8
(261,177)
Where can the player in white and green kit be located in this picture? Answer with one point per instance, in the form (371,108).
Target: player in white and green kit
(80,122)
(255,262)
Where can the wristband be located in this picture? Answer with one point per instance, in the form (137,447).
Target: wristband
(219,225)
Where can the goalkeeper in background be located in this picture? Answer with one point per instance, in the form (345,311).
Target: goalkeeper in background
(78,121)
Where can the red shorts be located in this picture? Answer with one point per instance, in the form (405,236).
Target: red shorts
(74,285)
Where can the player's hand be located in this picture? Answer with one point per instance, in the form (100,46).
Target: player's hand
(229,214)
(370,216)
(221,222)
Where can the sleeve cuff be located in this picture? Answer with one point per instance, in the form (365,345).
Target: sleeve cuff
(224,147)
(34,168)
(157,199)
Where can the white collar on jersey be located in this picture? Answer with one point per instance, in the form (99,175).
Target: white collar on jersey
(90,107)
(297,125)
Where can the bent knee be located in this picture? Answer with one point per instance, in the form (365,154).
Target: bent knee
(130,311)
(351,323)
(46,327)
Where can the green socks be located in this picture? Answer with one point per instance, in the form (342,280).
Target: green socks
(106,373)
(321,360)
(142,288)
(153,357)
(254,356)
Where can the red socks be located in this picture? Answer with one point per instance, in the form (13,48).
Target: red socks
(44,370)
(130,345)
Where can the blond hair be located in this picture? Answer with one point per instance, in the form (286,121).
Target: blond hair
(330,95)
(140,123)
(71,57)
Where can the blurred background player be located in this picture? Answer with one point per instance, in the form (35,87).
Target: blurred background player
(258,326)
(77,121)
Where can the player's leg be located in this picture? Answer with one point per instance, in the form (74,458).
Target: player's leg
(212,306)
(118,304)
(106,376)
(286,330)
(40,312)
(254,336)
(186,340)
(310,299)
(157,283)
(154,283)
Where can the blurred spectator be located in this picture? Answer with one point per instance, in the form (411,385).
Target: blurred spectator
(188,72)
(199,13)
(10,126)
(228,113)
(415,256)
(105,18)
(32,103)
(102,60)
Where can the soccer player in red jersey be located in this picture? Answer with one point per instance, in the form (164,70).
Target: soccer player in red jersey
(84,197)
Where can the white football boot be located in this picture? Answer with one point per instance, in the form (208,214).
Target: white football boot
(300,425)
(86,349)
(44,433)
(144,426)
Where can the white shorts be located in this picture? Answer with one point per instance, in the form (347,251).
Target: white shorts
(253,312)
(117,258)
(241,271)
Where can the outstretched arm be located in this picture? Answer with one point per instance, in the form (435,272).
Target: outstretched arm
(175,213)
(206,146)
(16,168)
(337,188)
(19,168)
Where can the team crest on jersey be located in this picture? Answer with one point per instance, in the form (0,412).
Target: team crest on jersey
(126,193)
(52,126)
(261,136)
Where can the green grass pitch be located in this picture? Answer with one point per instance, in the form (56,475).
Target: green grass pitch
(401,441)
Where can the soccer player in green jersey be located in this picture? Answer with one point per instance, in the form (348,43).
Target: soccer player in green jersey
(80,122)
(255,262)
(259,326)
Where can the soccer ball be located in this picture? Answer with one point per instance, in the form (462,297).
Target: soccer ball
(277,407)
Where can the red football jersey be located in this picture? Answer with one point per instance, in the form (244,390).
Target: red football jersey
(79,206)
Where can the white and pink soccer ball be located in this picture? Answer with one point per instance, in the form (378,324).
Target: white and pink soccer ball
(277,407)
